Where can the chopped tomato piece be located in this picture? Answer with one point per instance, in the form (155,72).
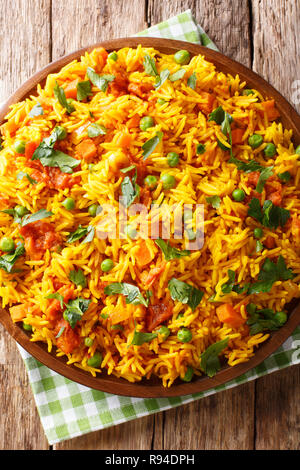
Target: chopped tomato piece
(145,197)
(19,312)
(143,255)
(237,136)
(142,90)
(101,58)
(134,121)
(30,148)
(124,140)
(207,105)
(269,242)
(54,309)
(227,314)
(71,89)
(39,236)
(253,178)
(118,315)
(157,314)
(149,278)
(86,149)
(275,198)
(119,86)
(69,338)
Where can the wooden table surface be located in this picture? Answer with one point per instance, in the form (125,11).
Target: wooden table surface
(262,34)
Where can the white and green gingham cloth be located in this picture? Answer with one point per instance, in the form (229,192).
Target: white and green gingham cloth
(68,409)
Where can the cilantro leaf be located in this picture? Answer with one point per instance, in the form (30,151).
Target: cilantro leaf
(84,89)
(7,261)
(89,234)
(285,176)
(100,82)
(150,145)
(37,110)
(264,175)
(150,66)
(78,278)
(218,115)
(60,95)
(215,201)
(29,218)
(177,75)
(192,81)
(269,215)
(96,129)
(247,167)
(131,292)
(262,320)
(161,78)
(209,359)
(185,293)
(75,309)
(228,286)
(140,338)
(169,251)
(77,234)
(270,273)
(130,191)
(200,149)
(60,332)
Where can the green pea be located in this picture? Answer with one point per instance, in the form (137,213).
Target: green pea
(270,150)
(255,141)
(113,56)
(27,327)
(172,159)
(130,232)
(247,92)
(95,360)
(238,195)
(189,374)
(21,211)
(69,203)
(297,151)
(182,57)
(168,181)
(60,132)
(146,122)
(19,146)
(92,210)
(161,101)
(88,342)
(7,244)
(164,331)
(184,335)
(258,233)
(281,317)
(107,265)
(151,181)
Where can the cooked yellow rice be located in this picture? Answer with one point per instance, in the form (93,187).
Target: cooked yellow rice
(228,243)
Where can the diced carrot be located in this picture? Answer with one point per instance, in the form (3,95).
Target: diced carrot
(30,148)
(207,105)
(10,126)
(86,149)
(133,122)
(124,140)
(118,315)
(18,312)
(227,314)
(101,58)
(269,242)
(143,255)
(71,89)
(69,338)
(271,110)
(54,310)
(237,136)
(149,278)
(142,90)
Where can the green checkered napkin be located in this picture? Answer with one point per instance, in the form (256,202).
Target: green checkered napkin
(68,409)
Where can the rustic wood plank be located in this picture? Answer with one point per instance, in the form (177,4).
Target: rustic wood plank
(221,422)
(276,54)
(73,28)
(278,410)
(25,48)
(134,435)
(226,22)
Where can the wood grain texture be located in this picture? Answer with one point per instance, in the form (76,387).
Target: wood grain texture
(24,29)
(226,22)
(77,24)
(277,46)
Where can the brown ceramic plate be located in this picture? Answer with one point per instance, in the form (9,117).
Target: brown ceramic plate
(153,387)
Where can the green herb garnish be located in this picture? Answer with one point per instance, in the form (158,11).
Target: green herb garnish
(60,95)
(29,218)
(131,292)
(177,75)
(209,359)
(7,261)
(169,251)
(192,81)
(150,145)
(100,82)
(215,201)
(75,309)
(96,129)
(37,110)
(78,278)
(84,89)
(185,293)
